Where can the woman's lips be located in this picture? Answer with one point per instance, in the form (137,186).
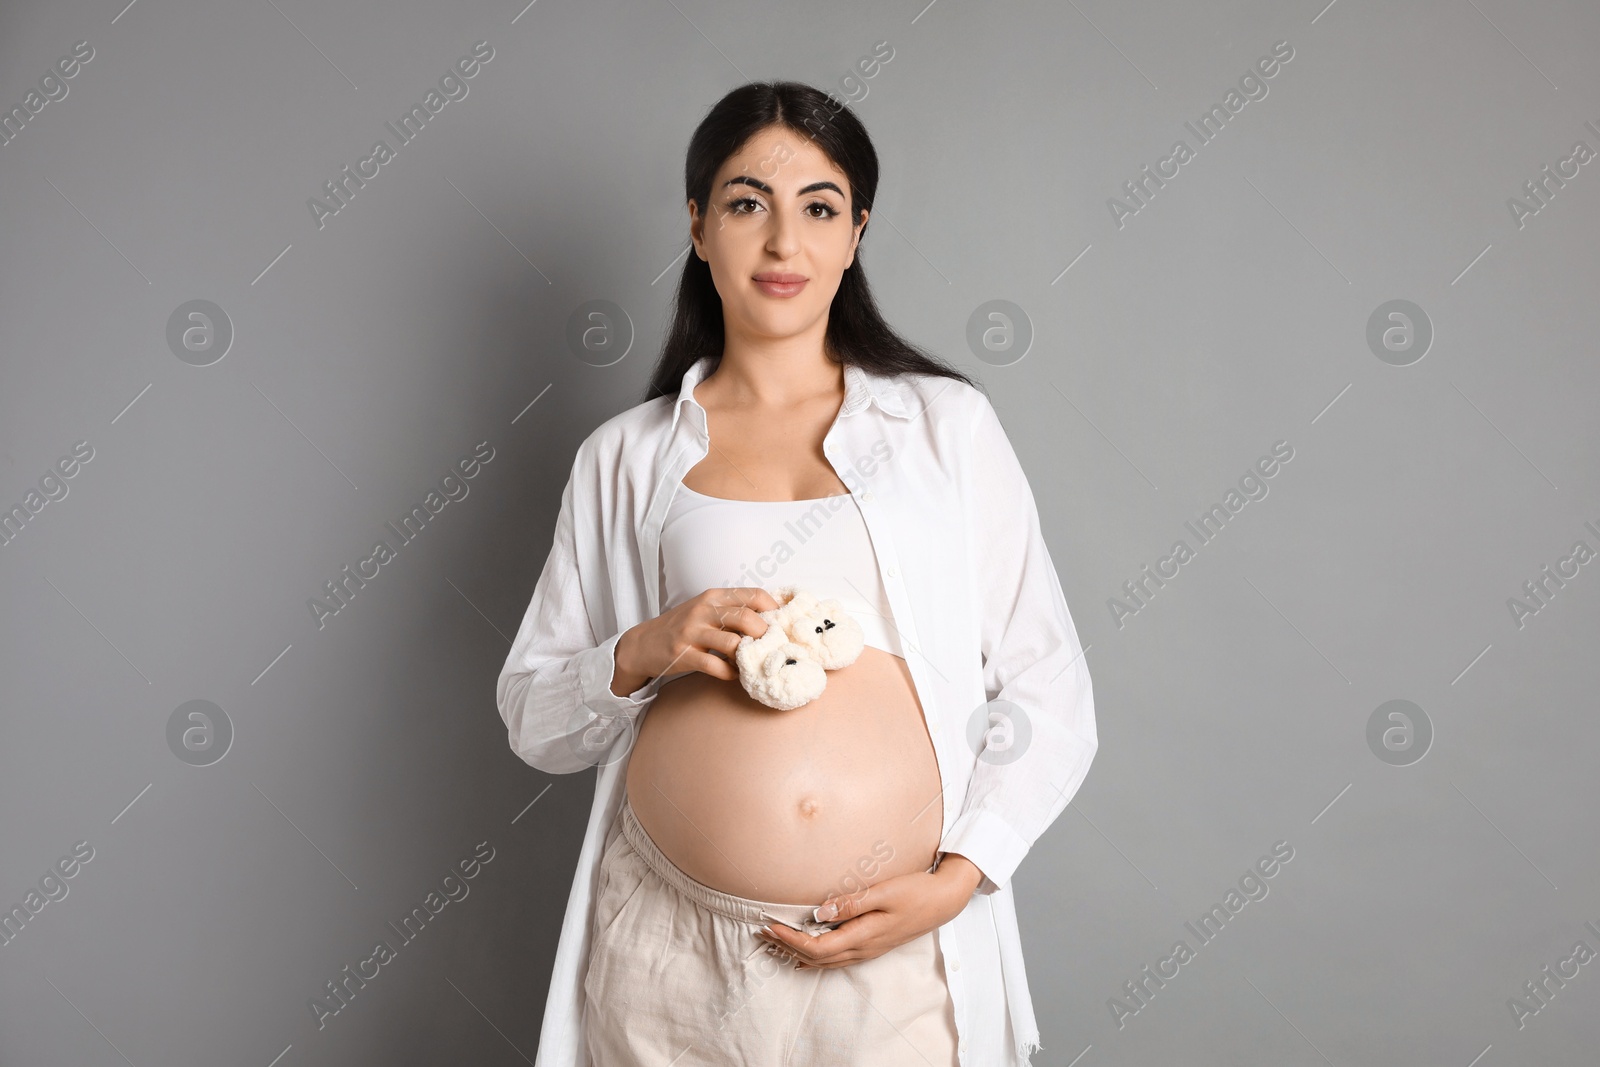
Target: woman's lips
(780,289)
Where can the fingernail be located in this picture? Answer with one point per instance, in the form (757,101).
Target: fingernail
(826,913)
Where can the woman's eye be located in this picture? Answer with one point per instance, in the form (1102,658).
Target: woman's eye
(736,207)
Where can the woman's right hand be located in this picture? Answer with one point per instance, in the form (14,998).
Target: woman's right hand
(694,636)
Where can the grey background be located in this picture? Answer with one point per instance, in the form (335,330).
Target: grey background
(1229,313)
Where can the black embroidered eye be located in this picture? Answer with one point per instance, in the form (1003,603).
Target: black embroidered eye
(828,623)
(790,662)
(819,629)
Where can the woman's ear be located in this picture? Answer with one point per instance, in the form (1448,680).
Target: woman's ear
(697,229)
(855,241)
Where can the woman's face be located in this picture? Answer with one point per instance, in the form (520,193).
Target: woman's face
(776,234)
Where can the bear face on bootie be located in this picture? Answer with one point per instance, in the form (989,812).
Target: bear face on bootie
(832,637)
(785,667)
(777,672)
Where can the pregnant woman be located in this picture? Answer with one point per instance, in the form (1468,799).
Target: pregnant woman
(825,885)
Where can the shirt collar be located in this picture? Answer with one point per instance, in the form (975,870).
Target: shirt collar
(861,387)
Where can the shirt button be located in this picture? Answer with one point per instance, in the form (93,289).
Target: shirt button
(867,495)
(955,965)
(961,1046)
(893,571)
(933,728)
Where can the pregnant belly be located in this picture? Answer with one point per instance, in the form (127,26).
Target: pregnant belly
(790,806)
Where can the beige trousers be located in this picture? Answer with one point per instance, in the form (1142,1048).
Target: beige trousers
(678,977)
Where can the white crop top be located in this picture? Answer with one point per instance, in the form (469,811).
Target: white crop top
(820,545)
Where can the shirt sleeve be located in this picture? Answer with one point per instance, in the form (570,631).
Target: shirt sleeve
(1041,738)
(554,691)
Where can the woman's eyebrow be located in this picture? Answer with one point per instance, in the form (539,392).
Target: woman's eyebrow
(757,183)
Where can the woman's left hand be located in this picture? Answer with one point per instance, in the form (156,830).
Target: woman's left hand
(882,916)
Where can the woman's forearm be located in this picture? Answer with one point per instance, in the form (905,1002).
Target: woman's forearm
(624,680)
(961,871)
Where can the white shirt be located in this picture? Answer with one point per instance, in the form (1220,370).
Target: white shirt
(975,598)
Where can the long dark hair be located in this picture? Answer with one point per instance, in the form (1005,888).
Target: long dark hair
(857,334)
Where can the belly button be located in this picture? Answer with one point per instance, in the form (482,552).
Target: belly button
(809,808)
